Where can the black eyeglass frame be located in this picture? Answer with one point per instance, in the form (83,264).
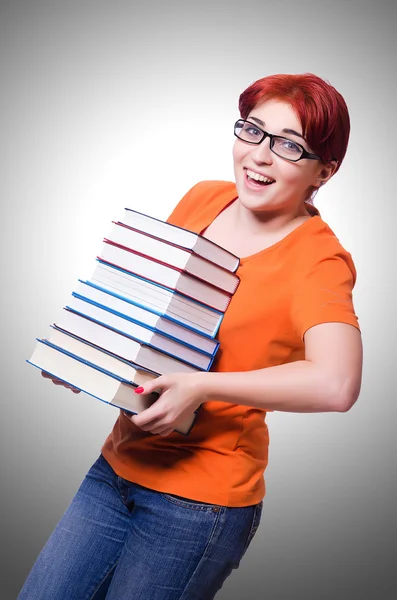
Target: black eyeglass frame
(305,153)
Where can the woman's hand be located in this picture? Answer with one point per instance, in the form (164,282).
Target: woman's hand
(59,382)
(180,395)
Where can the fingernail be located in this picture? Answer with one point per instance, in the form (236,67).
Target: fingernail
(139,390)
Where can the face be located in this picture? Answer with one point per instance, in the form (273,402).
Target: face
(290,181)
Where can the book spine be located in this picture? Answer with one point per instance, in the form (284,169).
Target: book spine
(87,362)
(208,362)
(145,325)
(220,304)
(144,223)
(129,364)
(218,314)
(173,319)
(211,279)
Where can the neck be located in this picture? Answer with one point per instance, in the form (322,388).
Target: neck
(268,221)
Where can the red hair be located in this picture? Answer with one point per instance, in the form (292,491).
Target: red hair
(320,108)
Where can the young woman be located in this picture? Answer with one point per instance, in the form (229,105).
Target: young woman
(162,516)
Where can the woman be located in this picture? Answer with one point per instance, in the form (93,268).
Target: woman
(168,517)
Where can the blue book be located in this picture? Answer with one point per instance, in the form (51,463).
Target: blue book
(97,381)
(80,318)
(157,298)
(138,314)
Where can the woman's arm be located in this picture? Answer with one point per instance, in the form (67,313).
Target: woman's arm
(327,380)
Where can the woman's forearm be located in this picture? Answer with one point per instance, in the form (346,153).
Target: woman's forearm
(301,386)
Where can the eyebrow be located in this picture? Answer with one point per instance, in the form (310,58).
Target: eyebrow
(290,131)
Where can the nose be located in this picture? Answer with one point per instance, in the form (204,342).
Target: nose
(262,152)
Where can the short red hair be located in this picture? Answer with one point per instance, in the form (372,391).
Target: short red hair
(320,108)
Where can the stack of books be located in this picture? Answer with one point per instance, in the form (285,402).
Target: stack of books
(153,306)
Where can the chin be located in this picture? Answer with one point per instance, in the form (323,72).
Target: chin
(256,200)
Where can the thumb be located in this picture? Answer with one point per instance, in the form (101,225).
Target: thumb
(150,386)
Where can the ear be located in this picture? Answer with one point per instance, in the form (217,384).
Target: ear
(323,175)
(326,171)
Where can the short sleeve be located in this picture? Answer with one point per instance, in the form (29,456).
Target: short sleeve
(324,294)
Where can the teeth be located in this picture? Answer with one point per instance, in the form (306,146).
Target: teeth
(258,177)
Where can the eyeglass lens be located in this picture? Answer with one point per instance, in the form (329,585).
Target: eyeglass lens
(284,147)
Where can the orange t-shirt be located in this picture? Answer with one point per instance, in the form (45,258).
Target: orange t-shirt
(303,280)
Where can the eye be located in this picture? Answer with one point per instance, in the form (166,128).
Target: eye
(287,147)
(251,130)
(290,146)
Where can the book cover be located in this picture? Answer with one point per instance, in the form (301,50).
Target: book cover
(174,256)
(96,382)
(181,237)
(120,345)
(157,298)
(140,333)
(122,307)
(165,275)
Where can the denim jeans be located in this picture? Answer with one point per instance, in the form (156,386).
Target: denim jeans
(121,541)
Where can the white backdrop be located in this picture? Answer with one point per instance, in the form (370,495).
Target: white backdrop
(106,105)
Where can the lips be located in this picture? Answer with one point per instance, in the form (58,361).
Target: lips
(258,179)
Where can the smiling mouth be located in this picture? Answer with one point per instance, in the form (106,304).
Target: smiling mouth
(260,180)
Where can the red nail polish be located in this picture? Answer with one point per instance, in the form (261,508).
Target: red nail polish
(139,390)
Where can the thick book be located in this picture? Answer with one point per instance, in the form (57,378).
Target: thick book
(121,306)
(97,382)
(121,345)
(140,333)
(181,237)
(165,275)
(100,358)
(173,256)
(158,299)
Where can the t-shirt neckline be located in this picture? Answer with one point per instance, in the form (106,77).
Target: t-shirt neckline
(312,219)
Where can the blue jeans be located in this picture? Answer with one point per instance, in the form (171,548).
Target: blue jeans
(121,541)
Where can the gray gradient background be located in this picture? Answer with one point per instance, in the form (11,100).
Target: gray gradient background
(87,90)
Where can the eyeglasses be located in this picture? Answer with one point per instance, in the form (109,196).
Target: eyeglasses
(283,147)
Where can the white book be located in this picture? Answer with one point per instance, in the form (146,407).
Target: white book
(181,237)
(158,299)
(174,256)
(100,358)
(121,345)
(165,275)
(140,333)
(122,306)
(95,382)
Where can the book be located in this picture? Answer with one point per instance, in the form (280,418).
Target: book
(125,308)
(173,256)
(157,298)
(153,306)
(96,382)
(102,359)
(167,276)
(121,345)
(140,333)
(181,237)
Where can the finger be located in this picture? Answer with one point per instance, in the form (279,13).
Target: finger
(166,432)
(157,427)
(53,378)
(151,423)
(149,416)
(144,426)
(66,385)
(56,381)
(46,375)
(150,386)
